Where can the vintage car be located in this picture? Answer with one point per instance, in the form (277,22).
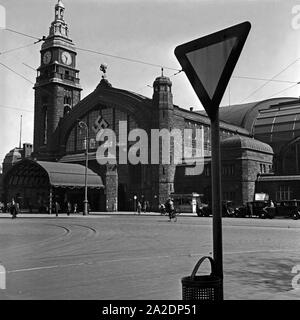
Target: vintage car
(288,209)
(255,208)
(228,209)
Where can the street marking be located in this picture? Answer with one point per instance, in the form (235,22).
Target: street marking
(84,263)
(142,258)
(46,267)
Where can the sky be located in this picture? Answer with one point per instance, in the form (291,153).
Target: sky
(145,30)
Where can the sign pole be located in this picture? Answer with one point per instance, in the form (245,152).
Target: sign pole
(208,63)
(216,197)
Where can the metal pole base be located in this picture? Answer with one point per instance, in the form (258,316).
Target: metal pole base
(85,207)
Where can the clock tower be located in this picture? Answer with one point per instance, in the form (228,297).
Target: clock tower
(57,87)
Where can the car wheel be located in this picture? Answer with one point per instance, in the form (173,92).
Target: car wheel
(263,215)
(296,215)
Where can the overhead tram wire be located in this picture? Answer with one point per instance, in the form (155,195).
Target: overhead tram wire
(23,34)
(15,72)
(263,79)
(128,59)
(288,88)
(24,46)
(165,67)
(15,108)
(18,48)
(23,77)
(275,76)
(102,53)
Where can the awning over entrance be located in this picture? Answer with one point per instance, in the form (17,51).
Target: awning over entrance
(70,175)
(29,173)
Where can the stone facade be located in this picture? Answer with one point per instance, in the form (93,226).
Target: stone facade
(242,161)
(111,188)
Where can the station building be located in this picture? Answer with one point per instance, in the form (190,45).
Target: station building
(251,135)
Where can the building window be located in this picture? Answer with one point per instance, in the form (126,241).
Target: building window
(263,168)
(228,170)
(67,109)
(207,170)
(284,193)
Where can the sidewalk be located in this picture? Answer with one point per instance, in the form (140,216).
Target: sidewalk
(122,213)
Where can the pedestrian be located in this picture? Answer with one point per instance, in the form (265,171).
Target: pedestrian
(148,206)
(144,206)
(75,208)
(69,208)
(14,208)
(139,207)
(57,208)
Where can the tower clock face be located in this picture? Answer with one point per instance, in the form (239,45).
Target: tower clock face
(47,57)
(66,58)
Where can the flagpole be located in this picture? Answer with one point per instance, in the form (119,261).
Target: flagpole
(20,141)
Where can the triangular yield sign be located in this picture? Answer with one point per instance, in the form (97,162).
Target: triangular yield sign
(209,62)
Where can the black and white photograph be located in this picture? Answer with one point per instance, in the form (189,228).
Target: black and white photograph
(149,152)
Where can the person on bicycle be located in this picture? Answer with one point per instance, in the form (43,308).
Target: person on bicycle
(170,209)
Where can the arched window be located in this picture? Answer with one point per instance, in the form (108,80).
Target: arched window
(67,100)
(67,109)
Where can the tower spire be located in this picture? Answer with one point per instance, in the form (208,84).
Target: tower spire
(59,26)
(59,11)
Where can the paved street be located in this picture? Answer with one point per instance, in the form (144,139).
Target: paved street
(142,257)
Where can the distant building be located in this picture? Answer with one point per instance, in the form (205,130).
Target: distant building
(277,123)
(11,158)
(15,155)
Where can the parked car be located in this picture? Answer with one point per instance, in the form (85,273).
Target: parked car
(255,208)
(288,209)
(228,209)
(203,210)
(263,210)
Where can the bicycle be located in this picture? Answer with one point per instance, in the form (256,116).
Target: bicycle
(173,215)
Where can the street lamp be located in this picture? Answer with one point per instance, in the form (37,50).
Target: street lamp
(81,125)
(134,203)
